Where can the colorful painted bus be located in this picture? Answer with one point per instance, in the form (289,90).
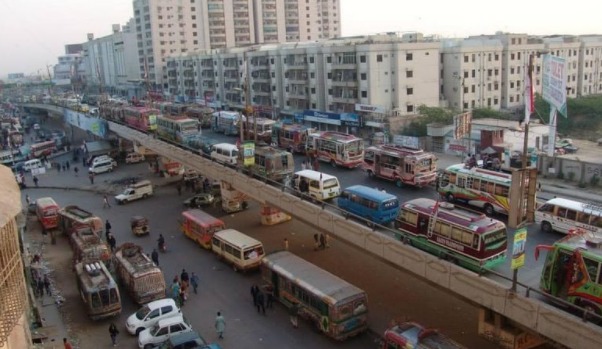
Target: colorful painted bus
(273,163)
(202,114)
(263,126)
(335,307)
(42,149)
(200,226)
(415,336)
(98,290)
(47,211)
(141,118)
(485,189)
(177,128)
(573,270)
(467,238)
(338,149)
(402,165)
(292,137)
(227,122)
(371,204)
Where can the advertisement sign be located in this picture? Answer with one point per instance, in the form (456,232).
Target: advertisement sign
(518,248)
(462,125)
(407,141)
(248,153)
(554,82)
(322,117)
(350,119)
(366,108)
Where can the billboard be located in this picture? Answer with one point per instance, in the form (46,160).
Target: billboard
(462,125)
(554,82)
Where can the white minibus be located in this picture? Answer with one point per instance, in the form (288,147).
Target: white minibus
(238,249)
(225,153)
(319,185)
(32,164)
(562,215)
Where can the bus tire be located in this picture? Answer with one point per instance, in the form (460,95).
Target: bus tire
(546,227)
(450,197)
(489,211)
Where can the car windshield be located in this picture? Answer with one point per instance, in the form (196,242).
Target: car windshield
(141,314)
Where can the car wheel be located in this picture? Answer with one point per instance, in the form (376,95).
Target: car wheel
(138,330)
(489,211)
(546,227)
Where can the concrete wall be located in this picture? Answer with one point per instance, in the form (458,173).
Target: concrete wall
(583,171)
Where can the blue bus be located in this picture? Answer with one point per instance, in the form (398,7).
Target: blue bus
(372,204)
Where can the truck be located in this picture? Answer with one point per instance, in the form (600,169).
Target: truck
(73,218)
(142,279)
(87,245)
(136,191)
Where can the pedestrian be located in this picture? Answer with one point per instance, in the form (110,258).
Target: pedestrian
(254,292)
(112,242)
(183,294)
(35,180)
(294,313)
(76,170)
(58,166)
(194,281)
(179,188)
(269,290)
(105,202)
(27,200)
(184,278)
(67,164)
(327,238)
(260,302)
(155,257)
(91,177)
(220,325)
(316,242)
(40,288)
(175,291)
(113,331)
(67,344)
(64,167)
(303,165)
(47,285)
(108,227)
(322,241)
(285,244)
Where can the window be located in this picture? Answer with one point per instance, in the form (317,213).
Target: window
(379,58)
(328,59)
(362,59)
(410,108)
(409,56)
(409,73)
(364,94)
(311,59)
(362,76)
(409,91)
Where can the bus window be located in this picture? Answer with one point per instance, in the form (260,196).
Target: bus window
(501,190)
(445,230)
(467,238)
(104,297)
(596,221)
(95,300)
(409,217)
(452,177)
(583,218)
(476,184)
(546,208)
(456,234)
(114,296)
(561,212)
(461,182)
(572,215)
(445,179)
(592,268)
(484,185)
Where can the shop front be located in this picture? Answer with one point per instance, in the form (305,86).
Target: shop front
(326,121)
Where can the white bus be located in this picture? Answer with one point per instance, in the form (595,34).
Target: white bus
(320,186)
(238,249)
(224,153)
(562,215)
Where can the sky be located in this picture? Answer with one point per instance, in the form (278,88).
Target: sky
(33,33)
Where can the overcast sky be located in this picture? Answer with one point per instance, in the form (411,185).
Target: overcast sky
(33,32)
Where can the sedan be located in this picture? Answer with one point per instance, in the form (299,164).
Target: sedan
(199,200)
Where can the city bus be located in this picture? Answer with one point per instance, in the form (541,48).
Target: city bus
(413,335)
(47,211)
(227,122)
(467,238)
(273,163)
(369,203)
(177,128)
(263,126)
(402,165)
(42,149)
(202,114)
(200,226)
(562,215)
(335,307)
(98,290)
(485,189)
(292,137)
(573,270)
(141,118)
(338,149)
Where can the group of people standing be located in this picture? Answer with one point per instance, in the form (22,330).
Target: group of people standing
(180,285)
(262,299)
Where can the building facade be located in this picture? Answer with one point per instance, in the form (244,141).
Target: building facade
(173,27)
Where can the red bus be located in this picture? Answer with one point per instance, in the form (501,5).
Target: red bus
(200,226)
(73,219)
(47,211)
(291,137)
(141,118)
(41,149)
(467,238)
(336,148)
(402,165)
(413,335)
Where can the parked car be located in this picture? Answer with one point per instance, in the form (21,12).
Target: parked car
(188,340)
(162,331)
(133,158)
(150,314)
(199,200)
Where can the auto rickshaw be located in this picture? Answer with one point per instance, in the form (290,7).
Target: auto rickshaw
(139,225)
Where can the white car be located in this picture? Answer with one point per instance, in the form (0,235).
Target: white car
(101,158)
(162,331)
(133,158)
(150,314)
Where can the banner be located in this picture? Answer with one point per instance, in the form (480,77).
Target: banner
(518,248)
(554,82)
(248,151)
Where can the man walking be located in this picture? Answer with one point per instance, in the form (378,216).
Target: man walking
(35,180)
(66,344)
(112,242)
(91,177)
(28,200)
(194,281)
(322,241)
(316,242)
(155,258)
(47,285)
(184,278)
(260,302)
(105,202)
(107,229)
(220,325)
(254,292)
(294,312)
(113,331)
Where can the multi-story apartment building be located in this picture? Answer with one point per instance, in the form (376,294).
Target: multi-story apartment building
(590,66)
(112,61)
(171,27)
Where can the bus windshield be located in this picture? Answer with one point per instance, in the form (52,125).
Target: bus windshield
(392,203)
(494,239)
(353,147)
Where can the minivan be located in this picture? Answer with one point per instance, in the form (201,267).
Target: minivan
(150,314)
(102,166)
(319,185)
(32,164)
(100,158)
(162,331)
(133,158)
(238,249)
(225,153)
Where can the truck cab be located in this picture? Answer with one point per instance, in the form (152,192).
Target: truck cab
(136,191)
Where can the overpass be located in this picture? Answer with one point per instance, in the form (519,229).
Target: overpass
(498,302)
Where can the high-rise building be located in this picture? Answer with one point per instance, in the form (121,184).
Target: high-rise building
(170,27)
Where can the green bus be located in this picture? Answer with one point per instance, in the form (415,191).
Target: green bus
(573,270)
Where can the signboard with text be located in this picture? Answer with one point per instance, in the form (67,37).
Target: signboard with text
(462,125)
(518,248)
(554,82)
(248,151)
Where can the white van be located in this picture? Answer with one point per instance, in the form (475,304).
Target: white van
(138,190)
(563,215)
(150,314)
(101,158)
(32,164)
(320,186)
(225,153)
(238,249)
(103,166)
(133,158)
